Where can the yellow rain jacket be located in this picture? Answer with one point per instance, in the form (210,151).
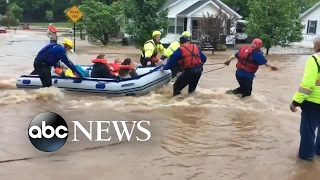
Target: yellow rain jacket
(309,89)
(150,49)
(69,73)
(173,47)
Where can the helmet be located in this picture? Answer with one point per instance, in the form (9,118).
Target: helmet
(186,33)
(67,42)
(156,33)
(257,42)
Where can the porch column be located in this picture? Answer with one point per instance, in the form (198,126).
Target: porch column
(189,24)
(175,25)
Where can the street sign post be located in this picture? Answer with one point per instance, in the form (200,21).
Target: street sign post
(75,15)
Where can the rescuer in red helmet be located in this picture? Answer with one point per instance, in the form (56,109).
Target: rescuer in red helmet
(249,60)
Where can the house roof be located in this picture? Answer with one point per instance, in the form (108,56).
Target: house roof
(310,10)
(169,2)
(202,2)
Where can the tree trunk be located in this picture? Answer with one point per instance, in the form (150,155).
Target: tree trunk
(105,38)
(267,53)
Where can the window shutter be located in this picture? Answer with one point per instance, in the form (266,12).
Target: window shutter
(308,27)
(315,27)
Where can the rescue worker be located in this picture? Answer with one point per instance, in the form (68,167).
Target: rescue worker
(308,99)
(52,33)
(49,56)
(249,60)
(191,61)
(151,49)
(169,51)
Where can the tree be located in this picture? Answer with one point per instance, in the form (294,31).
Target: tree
(49,15)
(143,18)
(100,20)
(16,10)
(276,22)
(240,6)
(213,27)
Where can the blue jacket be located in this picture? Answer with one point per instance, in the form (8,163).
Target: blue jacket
(258,58)
(177,55)
(53,53)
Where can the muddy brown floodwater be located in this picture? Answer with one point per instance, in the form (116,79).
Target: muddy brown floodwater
(204,136)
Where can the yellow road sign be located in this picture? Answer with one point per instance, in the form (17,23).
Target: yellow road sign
(74,14)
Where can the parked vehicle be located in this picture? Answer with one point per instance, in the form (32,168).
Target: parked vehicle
(3,30)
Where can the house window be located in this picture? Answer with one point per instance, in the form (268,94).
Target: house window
(180,25)
(312,27)
(171,26)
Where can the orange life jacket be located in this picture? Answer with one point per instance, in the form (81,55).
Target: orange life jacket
(52,29)
(113,67)
(245,61)
(190,56)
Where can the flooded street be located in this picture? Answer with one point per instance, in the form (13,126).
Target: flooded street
(204,136)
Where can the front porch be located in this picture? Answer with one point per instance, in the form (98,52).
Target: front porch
(179,24)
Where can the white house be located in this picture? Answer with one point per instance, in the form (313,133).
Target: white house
(184,15)
(310,19)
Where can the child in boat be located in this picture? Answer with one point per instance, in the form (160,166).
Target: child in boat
(127,73)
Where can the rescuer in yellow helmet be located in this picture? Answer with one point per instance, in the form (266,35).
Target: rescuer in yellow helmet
(49,56)
(169,51)
(308,99)
(151,49)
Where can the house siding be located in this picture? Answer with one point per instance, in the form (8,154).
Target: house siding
(210,8)
(307,38)
(181,6)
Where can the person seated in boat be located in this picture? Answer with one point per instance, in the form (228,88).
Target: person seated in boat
(116,67)
(101,68)
(129,72)
(118,61)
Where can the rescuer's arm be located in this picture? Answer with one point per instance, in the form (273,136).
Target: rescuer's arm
(174,58)
(261,60)
(168,52)
(308,82)
(148,50)
(62,54)
(160,48)
(203,57)
(232,57)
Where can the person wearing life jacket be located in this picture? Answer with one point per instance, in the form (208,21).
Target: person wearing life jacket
(169,51)
(191,61)
(116,67)
(308,99)
(151,49)
(127,73)
(101,68)
(50,56)
(249,60)
(52,33)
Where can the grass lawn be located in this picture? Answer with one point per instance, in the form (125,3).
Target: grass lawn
(56,24)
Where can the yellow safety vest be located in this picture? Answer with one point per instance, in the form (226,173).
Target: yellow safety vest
(309,89)
(173,47)
(150,49)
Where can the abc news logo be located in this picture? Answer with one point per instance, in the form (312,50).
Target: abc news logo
(48,131)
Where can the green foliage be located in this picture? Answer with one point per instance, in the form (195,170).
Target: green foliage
(100,20)
(16,10)
(240,6)
(12,21)
(143,18)
(275,22)
(49,15)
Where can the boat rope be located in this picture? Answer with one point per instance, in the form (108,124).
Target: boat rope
(214,69)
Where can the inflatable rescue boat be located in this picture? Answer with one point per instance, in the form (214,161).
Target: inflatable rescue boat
(150,78)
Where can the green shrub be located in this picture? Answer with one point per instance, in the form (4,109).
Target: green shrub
(222,47)
(12,21)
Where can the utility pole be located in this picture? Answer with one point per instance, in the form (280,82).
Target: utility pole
(8,24)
